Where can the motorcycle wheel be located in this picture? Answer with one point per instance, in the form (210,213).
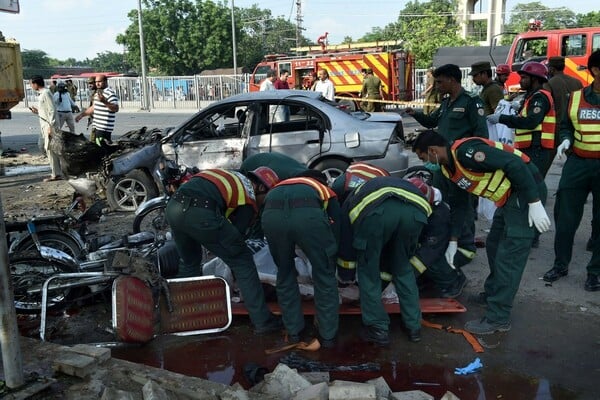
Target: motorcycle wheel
(129,191)
(152,220)
(419,171)
(55,239)
(31,271)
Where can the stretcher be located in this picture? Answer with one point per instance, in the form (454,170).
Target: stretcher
(428,306)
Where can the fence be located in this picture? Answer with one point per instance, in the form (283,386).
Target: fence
(195,92)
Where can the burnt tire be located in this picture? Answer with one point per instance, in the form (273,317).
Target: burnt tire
(55,239)
(30,271)
(332,168)
(152,220)
(127,192)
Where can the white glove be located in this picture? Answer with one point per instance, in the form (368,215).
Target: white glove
(451,252)
(538,217)
(493,118)
(564,146)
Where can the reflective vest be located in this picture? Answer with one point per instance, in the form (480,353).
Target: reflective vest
(235,188)
(324,192)
(358,173)
(523,137)
(491,185)
(585,118)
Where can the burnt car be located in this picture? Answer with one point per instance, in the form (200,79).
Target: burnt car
(301,124)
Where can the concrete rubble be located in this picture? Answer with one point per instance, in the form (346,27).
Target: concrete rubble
(90,372)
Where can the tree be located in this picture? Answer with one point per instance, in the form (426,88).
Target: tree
(110,61)
(521,14)
(589,19)
(424,27)
(35,62)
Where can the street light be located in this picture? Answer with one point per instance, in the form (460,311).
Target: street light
(233,39)
(144,95)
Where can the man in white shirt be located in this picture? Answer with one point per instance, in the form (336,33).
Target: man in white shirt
(267,84)
(325,86)
(46,111)
(64,107)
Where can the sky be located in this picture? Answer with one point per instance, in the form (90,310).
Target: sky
(81,29)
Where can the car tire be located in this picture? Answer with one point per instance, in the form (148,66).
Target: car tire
(127,192)
(332,168)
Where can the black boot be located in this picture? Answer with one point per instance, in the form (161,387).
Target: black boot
(555,274)
(592,284)
(375,335)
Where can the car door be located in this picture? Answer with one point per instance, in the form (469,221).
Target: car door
(303,135)
(211,140)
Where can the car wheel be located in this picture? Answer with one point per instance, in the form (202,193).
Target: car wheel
(332,168)
(129,191)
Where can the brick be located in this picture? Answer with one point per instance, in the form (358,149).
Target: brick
(316,377)
(99,353)
(382,389)
(153,391)
(320,391)
(411,395)
(74,364)
(346,390)
(116,394)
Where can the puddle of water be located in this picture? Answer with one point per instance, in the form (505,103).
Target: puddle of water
(222,358)
(23,170)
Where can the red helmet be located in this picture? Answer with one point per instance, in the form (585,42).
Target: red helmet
(536,69)
(502,69)
(266,176)
(424,188)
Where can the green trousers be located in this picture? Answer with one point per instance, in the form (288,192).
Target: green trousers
(309,229)
(508,245)
(389,231)
(580,176)
(196,227)
(541,157)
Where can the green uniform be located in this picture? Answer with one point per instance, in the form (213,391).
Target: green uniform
(580,176)
(196,214)
(538,107)
(491,94)
(463,117)
(294,215)
(560,85)
(382,221)
(284,166)
(509,242)
(371,90)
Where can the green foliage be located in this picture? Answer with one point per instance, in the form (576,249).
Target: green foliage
(551,19)
(109,61)
(589,19)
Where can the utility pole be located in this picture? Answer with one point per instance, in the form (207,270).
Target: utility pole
(298,24)
(144,85)
(233,39)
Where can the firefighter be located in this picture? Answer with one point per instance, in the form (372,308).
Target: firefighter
(502,74)
(215,209)
(304,212)
(429,258)
(535,123)
(508,177)
(355,175)
(284,166)
(382,221)
(580,175)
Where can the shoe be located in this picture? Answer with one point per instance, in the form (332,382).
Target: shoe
(536,242)
(274,324)
(327,343)
(590,245)
(484,326)
(254,373)
(456,288)
(555,274)
(414,335)
(592,284)
(479,299)
(375,335)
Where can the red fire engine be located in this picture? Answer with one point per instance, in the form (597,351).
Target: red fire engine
(344,64)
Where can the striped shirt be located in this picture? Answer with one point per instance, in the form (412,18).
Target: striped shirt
(103,118)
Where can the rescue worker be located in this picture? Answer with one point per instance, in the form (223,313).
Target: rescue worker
(304,212)
(581,175)
(491,93)
(284,166)
(355,175)
(371,90)
(508,177)
(381,222)
(535,122)
(429,258)
(460,114)
(215,209)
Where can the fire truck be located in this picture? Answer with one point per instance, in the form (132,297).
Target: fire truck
(575,44)
(389,62)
